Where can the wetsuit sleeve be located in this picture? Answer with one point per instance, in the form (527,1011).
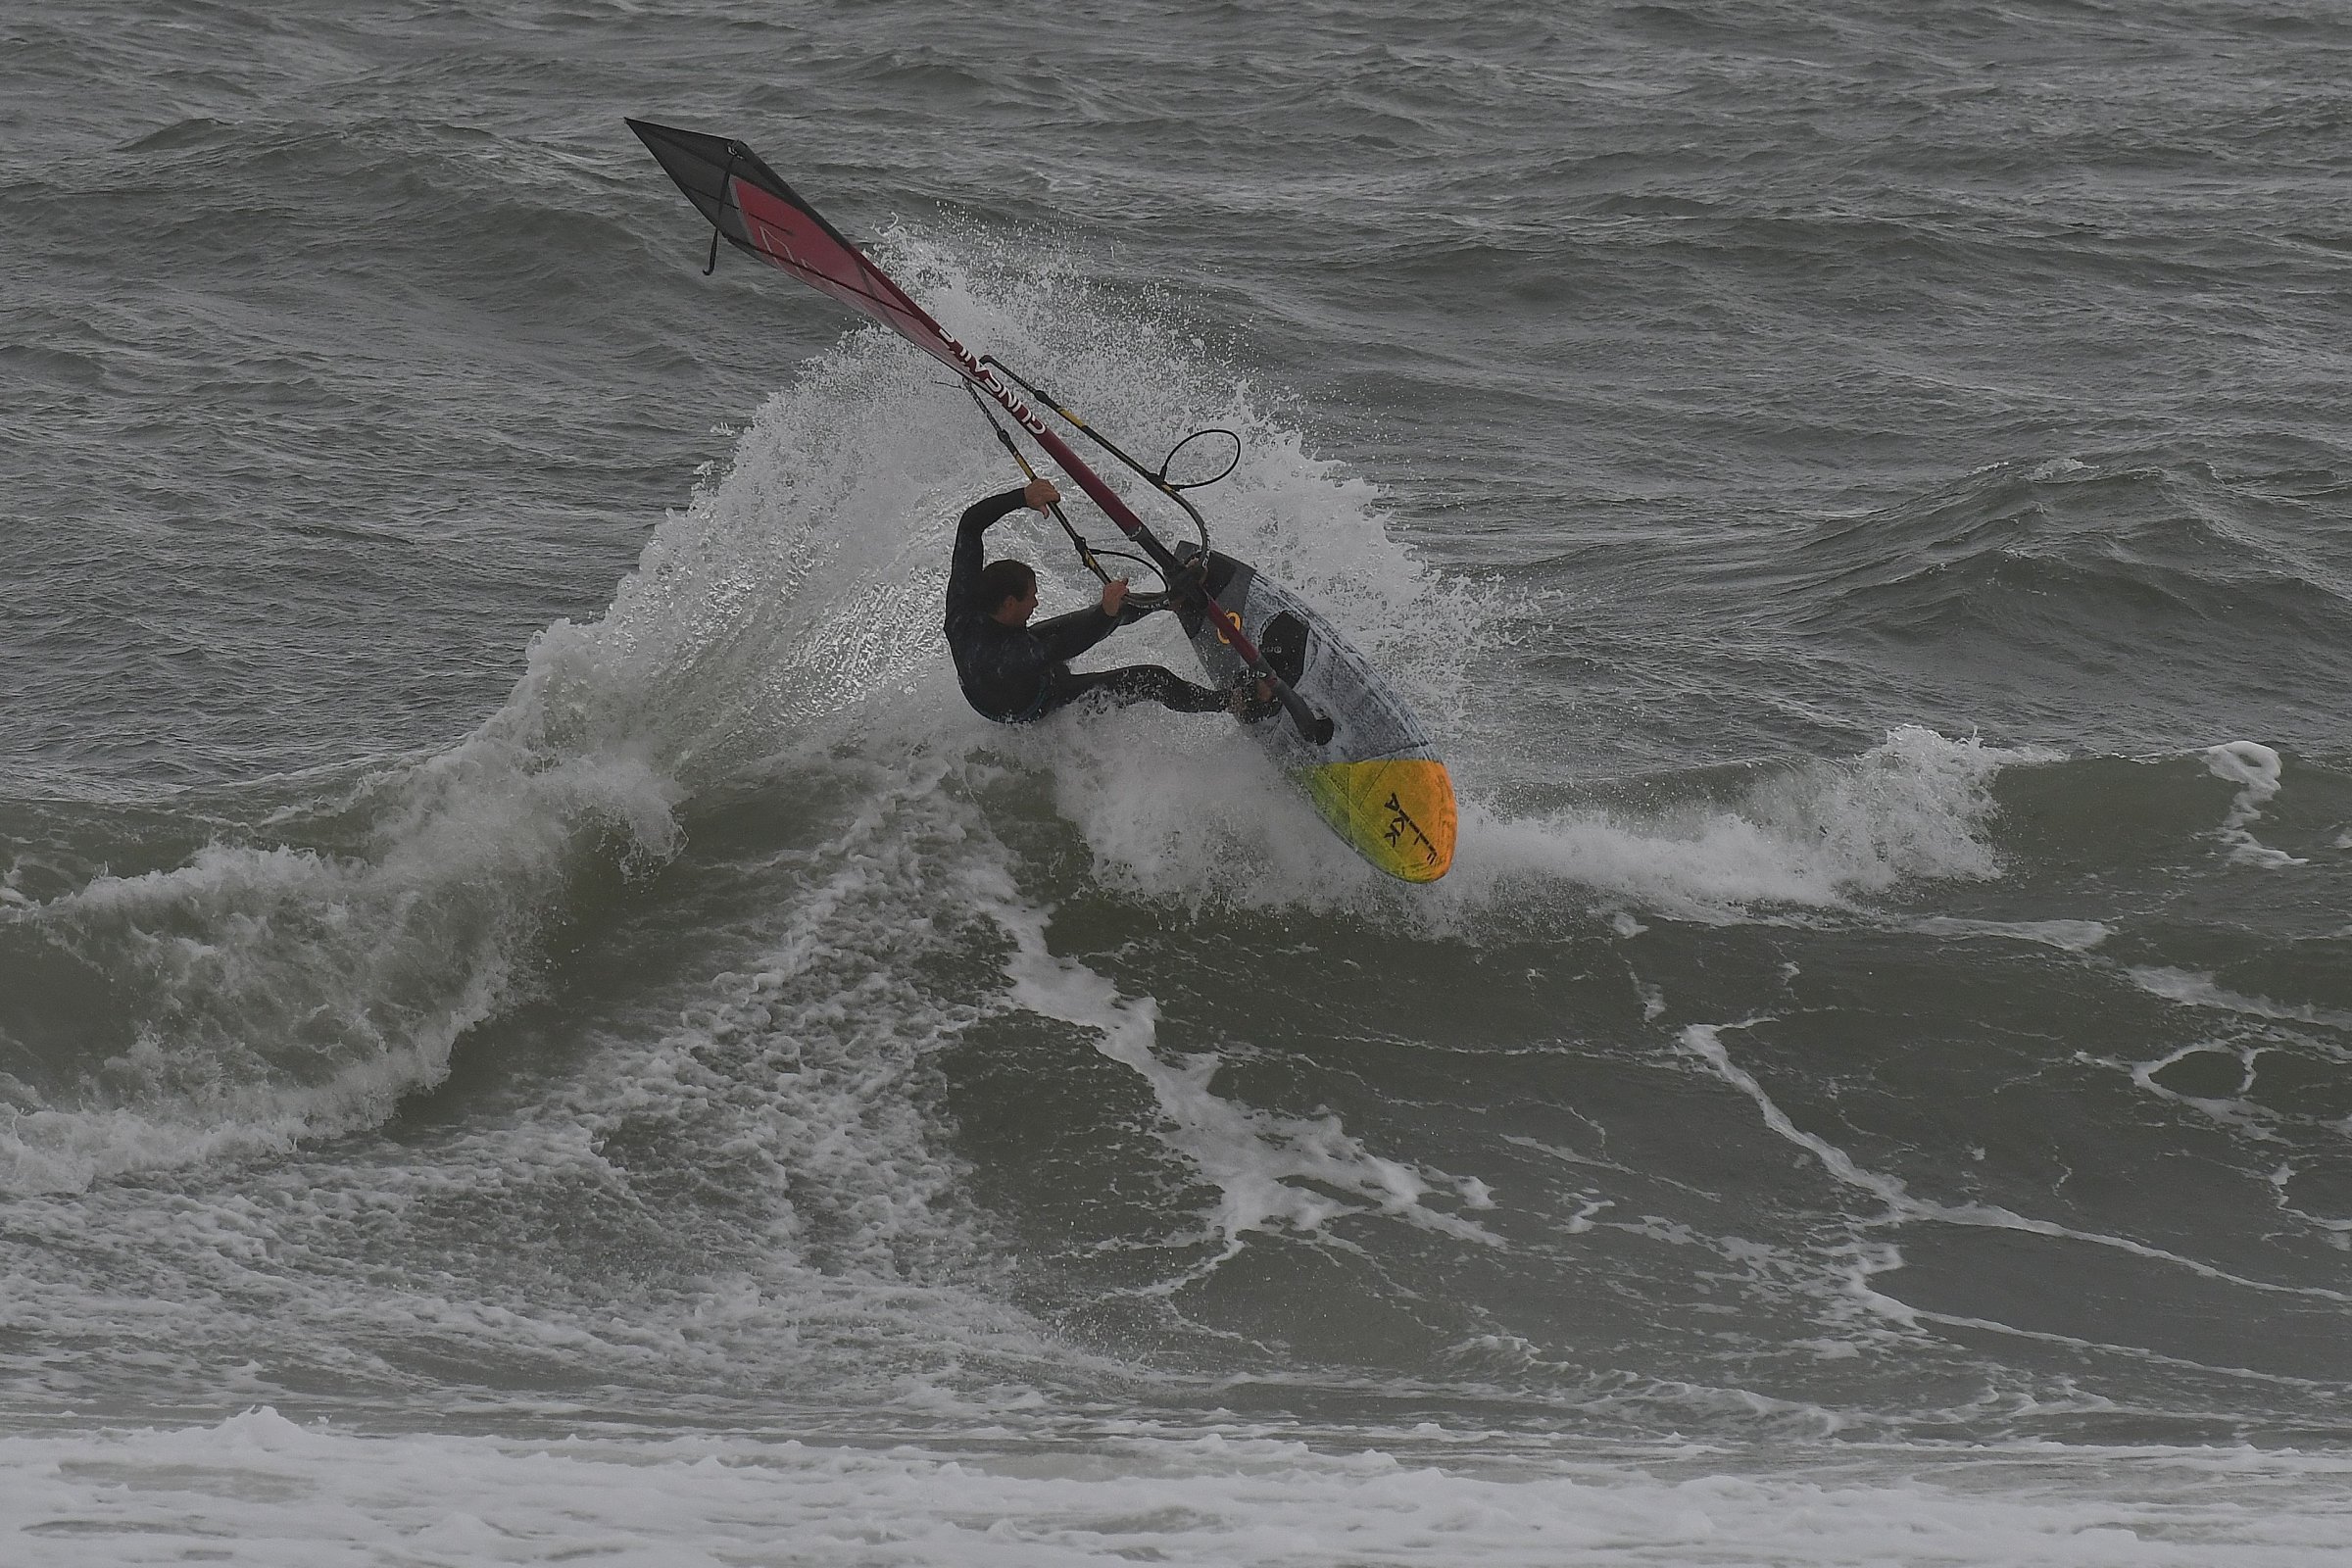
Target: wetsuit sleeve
(964,567)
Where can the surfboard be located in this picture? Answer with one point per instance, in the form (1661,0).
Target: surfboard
(1377,780)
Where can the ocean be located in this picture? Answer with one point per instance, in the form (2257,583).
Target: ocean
(535,1023)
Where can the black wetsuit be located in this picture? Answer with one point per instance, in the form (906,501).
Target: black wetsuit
(1017,673)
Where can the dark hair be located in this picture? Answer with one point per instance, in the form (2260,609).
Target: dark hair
(1000,580)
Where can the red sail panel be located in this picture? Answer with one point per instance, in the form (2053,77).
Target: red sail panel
(793,237)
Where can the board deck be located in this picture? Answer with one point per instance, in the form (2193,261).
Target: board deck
(1378,781)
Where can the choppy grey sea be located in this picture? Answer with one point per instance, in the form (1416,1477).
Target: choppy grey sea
(535,1024)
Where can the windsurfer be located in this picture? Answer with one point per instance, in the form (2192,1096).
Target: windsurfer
(1014,673)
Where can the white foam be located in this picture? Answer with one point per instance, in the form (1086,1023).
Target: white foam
(750,1137)
(2192,988)
(2067,936)
(1260,1162)
(1191,810)
(284,993)
(2057,469)
(796,1081)
(1705,1042)
(2256,767)
(1917,805)
(2230,1110)
(268,1491)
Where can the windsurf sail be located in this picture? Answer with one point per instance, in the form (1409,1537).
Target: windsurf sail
(751,207)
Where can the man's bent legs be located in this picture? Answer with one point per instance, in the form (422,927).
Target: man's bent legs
(1135,683)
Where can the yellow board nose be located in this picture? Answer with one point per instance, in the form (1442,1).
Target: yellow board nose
(1397,812)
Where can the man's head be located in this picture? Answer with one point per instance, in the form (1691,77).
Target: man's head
(1008,592)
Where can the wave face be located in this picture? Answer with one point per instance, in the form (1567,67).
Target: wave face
(1884,594)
